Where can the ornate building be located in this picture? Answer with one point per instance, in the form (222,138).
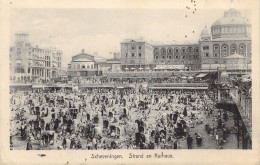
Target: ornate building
(230,35)
(30,64)
(82,65)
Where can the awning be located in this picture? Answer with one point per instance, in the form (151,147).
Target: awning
(201,75)
(224,74)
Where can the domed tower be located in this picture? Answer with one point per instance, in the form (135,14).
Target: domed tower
(232,25)
(205,36)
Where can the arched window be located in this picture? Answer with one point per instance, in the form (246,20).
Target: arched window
(190,49)
(83,66)
(156,51)
(176,50)
(169,51)
(242,49)
(224,50)
(233,48)
(163,51)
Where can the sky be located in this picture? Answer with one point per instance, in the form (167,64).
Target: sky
(102,30)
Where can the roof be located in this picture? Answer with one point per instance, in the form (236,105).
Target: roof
(231,17)
(82,57)
(205,32)
(235,55)
(113,60)
(233,39)
(224,74)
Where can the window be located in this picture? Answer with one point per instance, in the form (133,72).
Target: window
(216,62)
(163,57)
(205,47)
(241,47)
(140,54)
(177,50)
(170,57)
(126,54)
(140,47)
(224,47)
(206,54)
(183,56)
(216,55)
(156,57)
(215,47)
(183,50)
(83,66)
(133,47)
(28,70)
(133,54)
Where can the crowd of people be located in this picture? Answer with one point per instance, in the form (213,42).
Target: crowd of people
(116,119)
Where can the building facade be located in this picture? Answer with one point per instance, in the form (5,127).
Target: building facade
(186,56)
(82,65)
(229,35)
(136,55)
(33,64)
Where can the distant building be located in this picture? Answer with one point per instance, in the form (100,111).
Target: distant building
(28,63)
(82,65)
(229,35)
(136,54)
(177,56)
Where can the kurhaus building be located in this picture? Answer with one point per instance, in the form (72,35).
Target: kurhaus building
(230,38)
(33,64)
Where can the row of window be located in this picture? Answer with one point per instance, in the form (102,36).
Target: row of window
(170,57)
(133,47)
(133,54)
(176,50)
(83,66)
(228,30)
(177,62)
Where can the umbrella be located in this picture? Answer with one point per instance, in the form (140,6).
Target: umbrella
(126,68)
(133,68)
(141,68)
(183,77)
(190,77)
(147,68)
(118,68)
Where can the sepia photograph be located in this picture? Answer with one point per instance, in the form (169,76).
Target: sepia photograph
(116,84)
(129,83)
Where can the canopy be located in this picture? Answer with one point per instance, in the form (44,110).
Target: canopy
(133,68)
(201,75)
(224,74)
(190,77)
(183,77)
(141,68)
(126,68)
(235,56)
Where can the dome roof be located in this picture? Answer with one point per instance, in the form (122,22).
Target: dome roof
(231,17)
(205,32)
